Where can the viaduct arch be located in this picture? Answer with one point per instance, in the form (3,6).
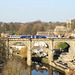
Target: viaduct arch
(29,42)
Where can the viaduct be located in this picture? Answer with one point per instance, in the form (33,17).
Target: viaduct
(51,42)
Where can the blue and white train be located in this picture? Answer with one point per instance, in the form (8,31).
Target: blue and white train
(31,36)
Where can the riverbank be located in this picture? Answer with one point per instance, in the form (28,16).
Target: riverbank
(66,67)
(60,65)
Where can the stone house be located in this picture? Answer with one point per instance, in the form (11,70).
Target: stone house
(43,33)
(60,30)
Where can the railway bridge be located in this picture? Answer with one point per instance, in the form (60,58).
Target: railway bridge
(51,42)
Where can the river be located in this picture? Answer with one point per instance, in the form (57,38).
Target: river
(16,66)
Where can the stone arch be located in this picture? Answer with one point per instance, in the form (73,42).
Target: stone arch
(17,44)
(23,45)
(40,46)
(14,42)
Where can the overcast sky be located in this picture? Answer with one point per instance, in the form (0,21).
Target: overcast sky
(32,10)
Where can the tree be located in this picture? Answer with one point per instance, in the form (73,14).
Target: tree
(25,29)
(5,27)
(41,28)
(21,30)
(2,49)
(23,52)
(28,29)
(62,45)
(12,28)
(35,28)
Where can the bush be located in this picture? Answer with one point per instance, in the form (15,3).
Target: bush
(44,60)
(62,45)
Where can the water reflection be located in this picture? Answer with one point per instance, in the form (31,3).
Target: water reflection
(34,72)
(17,66)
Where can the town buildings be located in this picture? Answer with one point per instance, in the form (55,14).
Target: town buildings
(73,34)
(60,30)
(65,31)
(49,32)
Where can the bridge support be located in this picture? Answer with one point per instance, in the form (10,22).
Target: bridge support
(50,54)
(29,57)
(29,60)
(50,57)
(28,70)
(50,71)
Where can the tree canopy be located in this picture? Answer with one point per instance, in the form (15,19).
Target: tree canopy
(29,28)
(62,45)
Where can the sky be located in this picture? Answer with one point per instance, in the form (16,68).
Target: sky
(33,10)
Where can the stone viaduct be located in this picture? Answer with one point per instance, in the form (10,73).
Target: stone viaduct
(51,42)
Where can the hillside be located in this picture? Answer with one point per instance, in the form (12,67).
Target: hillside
(29,28)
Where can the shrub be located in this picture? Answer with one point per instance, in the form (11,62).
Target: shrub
(62,45)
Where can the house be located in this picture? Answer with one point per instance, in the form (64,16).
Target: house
(38,50)
(60,30)
(73,33)
(43,33)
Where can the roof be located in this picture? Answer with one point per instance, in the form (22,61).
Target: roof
(60,28)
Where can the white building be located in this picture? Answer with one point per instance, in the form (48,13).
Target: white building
(73,34)
(40,51)
(41,44)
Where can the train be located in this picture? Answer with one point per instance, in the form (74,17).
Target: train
(32,36)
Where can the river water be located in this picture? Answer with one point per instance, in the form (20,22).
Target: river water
(16,66)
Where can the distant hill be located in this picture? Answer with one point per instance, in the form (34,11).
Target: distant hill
(29,28)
